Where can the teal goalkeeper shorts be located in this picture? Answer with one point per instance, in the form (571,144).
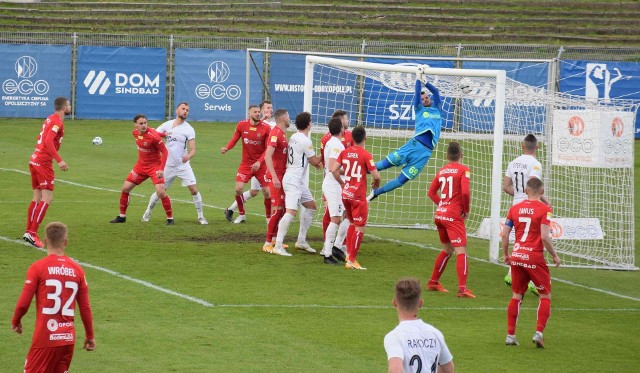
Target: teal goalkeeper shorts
(413,155)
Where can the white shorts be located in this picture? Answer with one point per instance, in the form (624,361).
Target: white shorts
(184,172)
(255,184)
(333,194)
(295,194)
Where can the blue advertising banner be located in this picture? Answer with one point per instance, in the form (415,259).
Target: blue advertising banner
(118,82)
(32,77)
(601,80)
(390,104)
(287,82)
(523,117)
(213,82)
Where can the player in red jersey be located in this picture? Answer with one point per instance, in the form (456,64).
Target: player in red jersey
(347,141)
(152,156)
(530,218)
(450,191)
(41,168)
(57,282)
(356,162)
(254,134)
(276,160)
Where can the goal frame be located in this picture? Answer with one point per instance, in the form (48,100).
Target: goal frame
(498,131)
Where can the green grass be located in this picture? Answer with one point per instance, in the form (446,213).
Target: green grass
(270,313)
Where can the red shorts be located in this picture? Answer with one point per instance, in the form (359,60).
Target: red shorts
(277,195)
(41,176)
(451,231)
(357,211)
(49,359)
(245,174)
(534,269)
(141,173)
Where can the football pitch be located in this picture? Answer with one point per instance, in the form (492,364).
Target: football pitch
(193,298)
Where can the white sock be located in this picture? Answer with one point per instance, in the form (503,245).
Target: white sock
(306,218)
(197,200)
(342,232)
(329,239)
(152,201)
(509,273)
(283,228)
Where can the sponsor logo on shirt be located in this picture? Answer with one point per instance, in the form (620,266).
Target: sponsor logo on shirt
(467,174)
(61,337)
(55,129)
(251,142)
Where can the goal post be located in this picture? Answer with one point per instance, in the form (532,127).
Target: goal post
(584,146)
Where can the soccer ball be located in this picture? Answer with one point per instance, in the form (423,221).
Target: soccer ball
(97,141)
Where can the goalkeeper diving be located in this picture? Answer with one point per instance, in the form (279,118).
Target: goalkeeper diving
(415,154)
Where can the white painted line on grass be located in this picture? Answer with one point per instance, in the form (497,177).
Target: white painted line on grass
(567,282)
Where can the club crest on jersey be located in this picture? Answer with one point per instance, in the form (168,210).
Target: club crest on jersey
(140,137)
(274,138)
(55,129)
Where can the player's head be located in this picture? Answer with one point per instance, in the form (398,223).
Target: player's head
(182,110)
(454,151)
(534,187)
(303,121)
(408,296)
(62,103)
(426,99)
(282,116)
(140,122)
(266,109)
(55,235)
(335,126)
(530,144)
(359,135)
(254,113)
(344,117)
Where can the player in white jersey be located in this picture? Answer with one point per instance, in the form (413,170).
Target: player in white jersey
(332,191)
(295,184)
(519,171)
(414,345)
(266,112)
(181,144)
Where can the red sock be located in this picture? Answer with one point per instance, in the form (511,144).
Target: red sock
(124,203)
(441,263)
(357,241)
(461,268)
(32,207)
(166,204)
(272,227)
(267,207)
(240,201)
(544,311)
(512,315)
(350,233)
(38,216)
(326,219)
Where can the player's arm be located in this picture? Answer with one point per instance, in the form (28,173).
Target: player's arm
(432,193)
(268,160)
(335,168)
(435,98)
(446,368)
(234,139)
(546,241)
(465,184)
(50,148)
(417,97)
(506,231)
(545,200)
(507,185)
(191,144)
(87,316)
(395,365)
(376,179)
(164,155)
(22,306)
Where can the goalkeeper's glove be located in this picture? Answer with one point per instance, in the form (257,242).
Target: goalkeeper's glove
(422,75)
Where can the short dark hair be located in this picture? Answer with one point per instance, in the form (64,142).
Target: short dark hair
(335,126)
(135,119)
(60,103)
(339,113)
(358,134)
(253,106)
(408,293)
(182,103)
(530,141)
(454,151)
(56,234)
(534,184)
(263,103)
(303,120)
(279,113)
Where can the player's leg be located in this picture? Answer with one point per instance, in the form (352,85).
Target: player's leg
(197,202)
(135,177)
(63,357)
(42,183)
(306,218)
(342,234)
(264,181)
(39,359)
(359,215)
(394,159)
(252,192)
(441,260)
(292,195)
(166,201)
(458,236)
(542,280)
(518,287)
(37,196)
(30,235)
(335,208)
(277,212)
(240,198)
(169,176)
(416,156)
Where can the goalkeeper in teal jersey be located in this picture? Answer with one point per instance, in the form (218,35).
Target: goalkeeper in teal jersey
(415,154)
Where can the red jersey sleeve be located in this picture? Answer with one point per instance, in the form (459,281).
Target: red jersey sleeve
(29,290)
(465,182)
(546,217)
(85,309)
(371,165)
(236,136)
(433,190)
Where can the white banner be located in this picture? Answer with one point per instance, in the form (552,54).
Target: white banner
(561,229)
(596,139)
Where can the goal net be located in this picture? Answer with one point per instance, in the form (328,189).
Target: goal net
(586,149)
